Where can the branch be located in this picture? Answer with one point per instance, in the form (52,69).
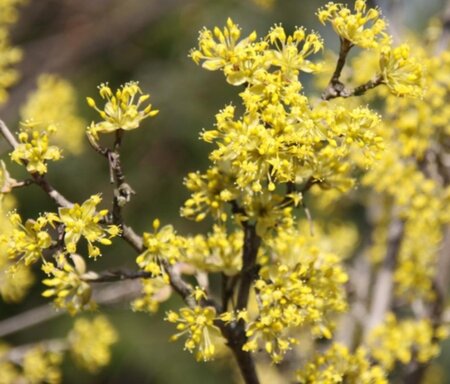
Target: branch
(335,87)
(7,134)
(108,295)
(342,91)
(249,268)
(112,276)
(17,354)
(384,284)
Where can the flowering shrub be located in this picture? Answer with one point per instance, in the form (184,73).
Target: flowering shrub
(269,281)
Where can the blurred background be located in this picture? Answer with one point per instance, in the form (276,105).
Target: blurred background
(90,42)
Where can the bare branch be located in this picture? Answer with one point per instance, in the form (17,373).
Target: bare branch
(383,289)
(7,134)
(17,354)
(107,295)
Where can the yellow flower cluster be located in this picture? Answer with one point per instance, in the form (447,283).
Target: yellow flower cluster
(290,297)
(67,283)
(198,325)
(412,131)
(10,55)
(338,365)
(90,342)
(162,243)
(403,340)
(286,54)
(401,72)
(15,279)
(216,252)
(210,193)
(281,137)
(121,110)
(153,292)
(37,365)
(418,122)
(84,221)
(364,28)
(53,106)
(25,243)
(34,149)
(41,366)
(223,50)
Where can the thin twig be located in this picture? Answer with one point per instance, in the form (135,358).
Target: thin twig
(112,276)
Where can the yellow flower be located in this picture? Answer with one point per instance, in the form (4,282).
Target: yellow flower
(198,325)
(364,28)
(26,242)
(84,220)
(67,284)
(53,105)
(223,50)
(90,342)
(161,244)
(34,150)
(41,366)
(287,55)
(402,73)
(338,365)
(122,109)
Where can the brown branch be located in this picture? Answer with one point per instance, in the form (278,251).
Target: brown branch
(335,86)
(234,333)
(249,267)
(344,92)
